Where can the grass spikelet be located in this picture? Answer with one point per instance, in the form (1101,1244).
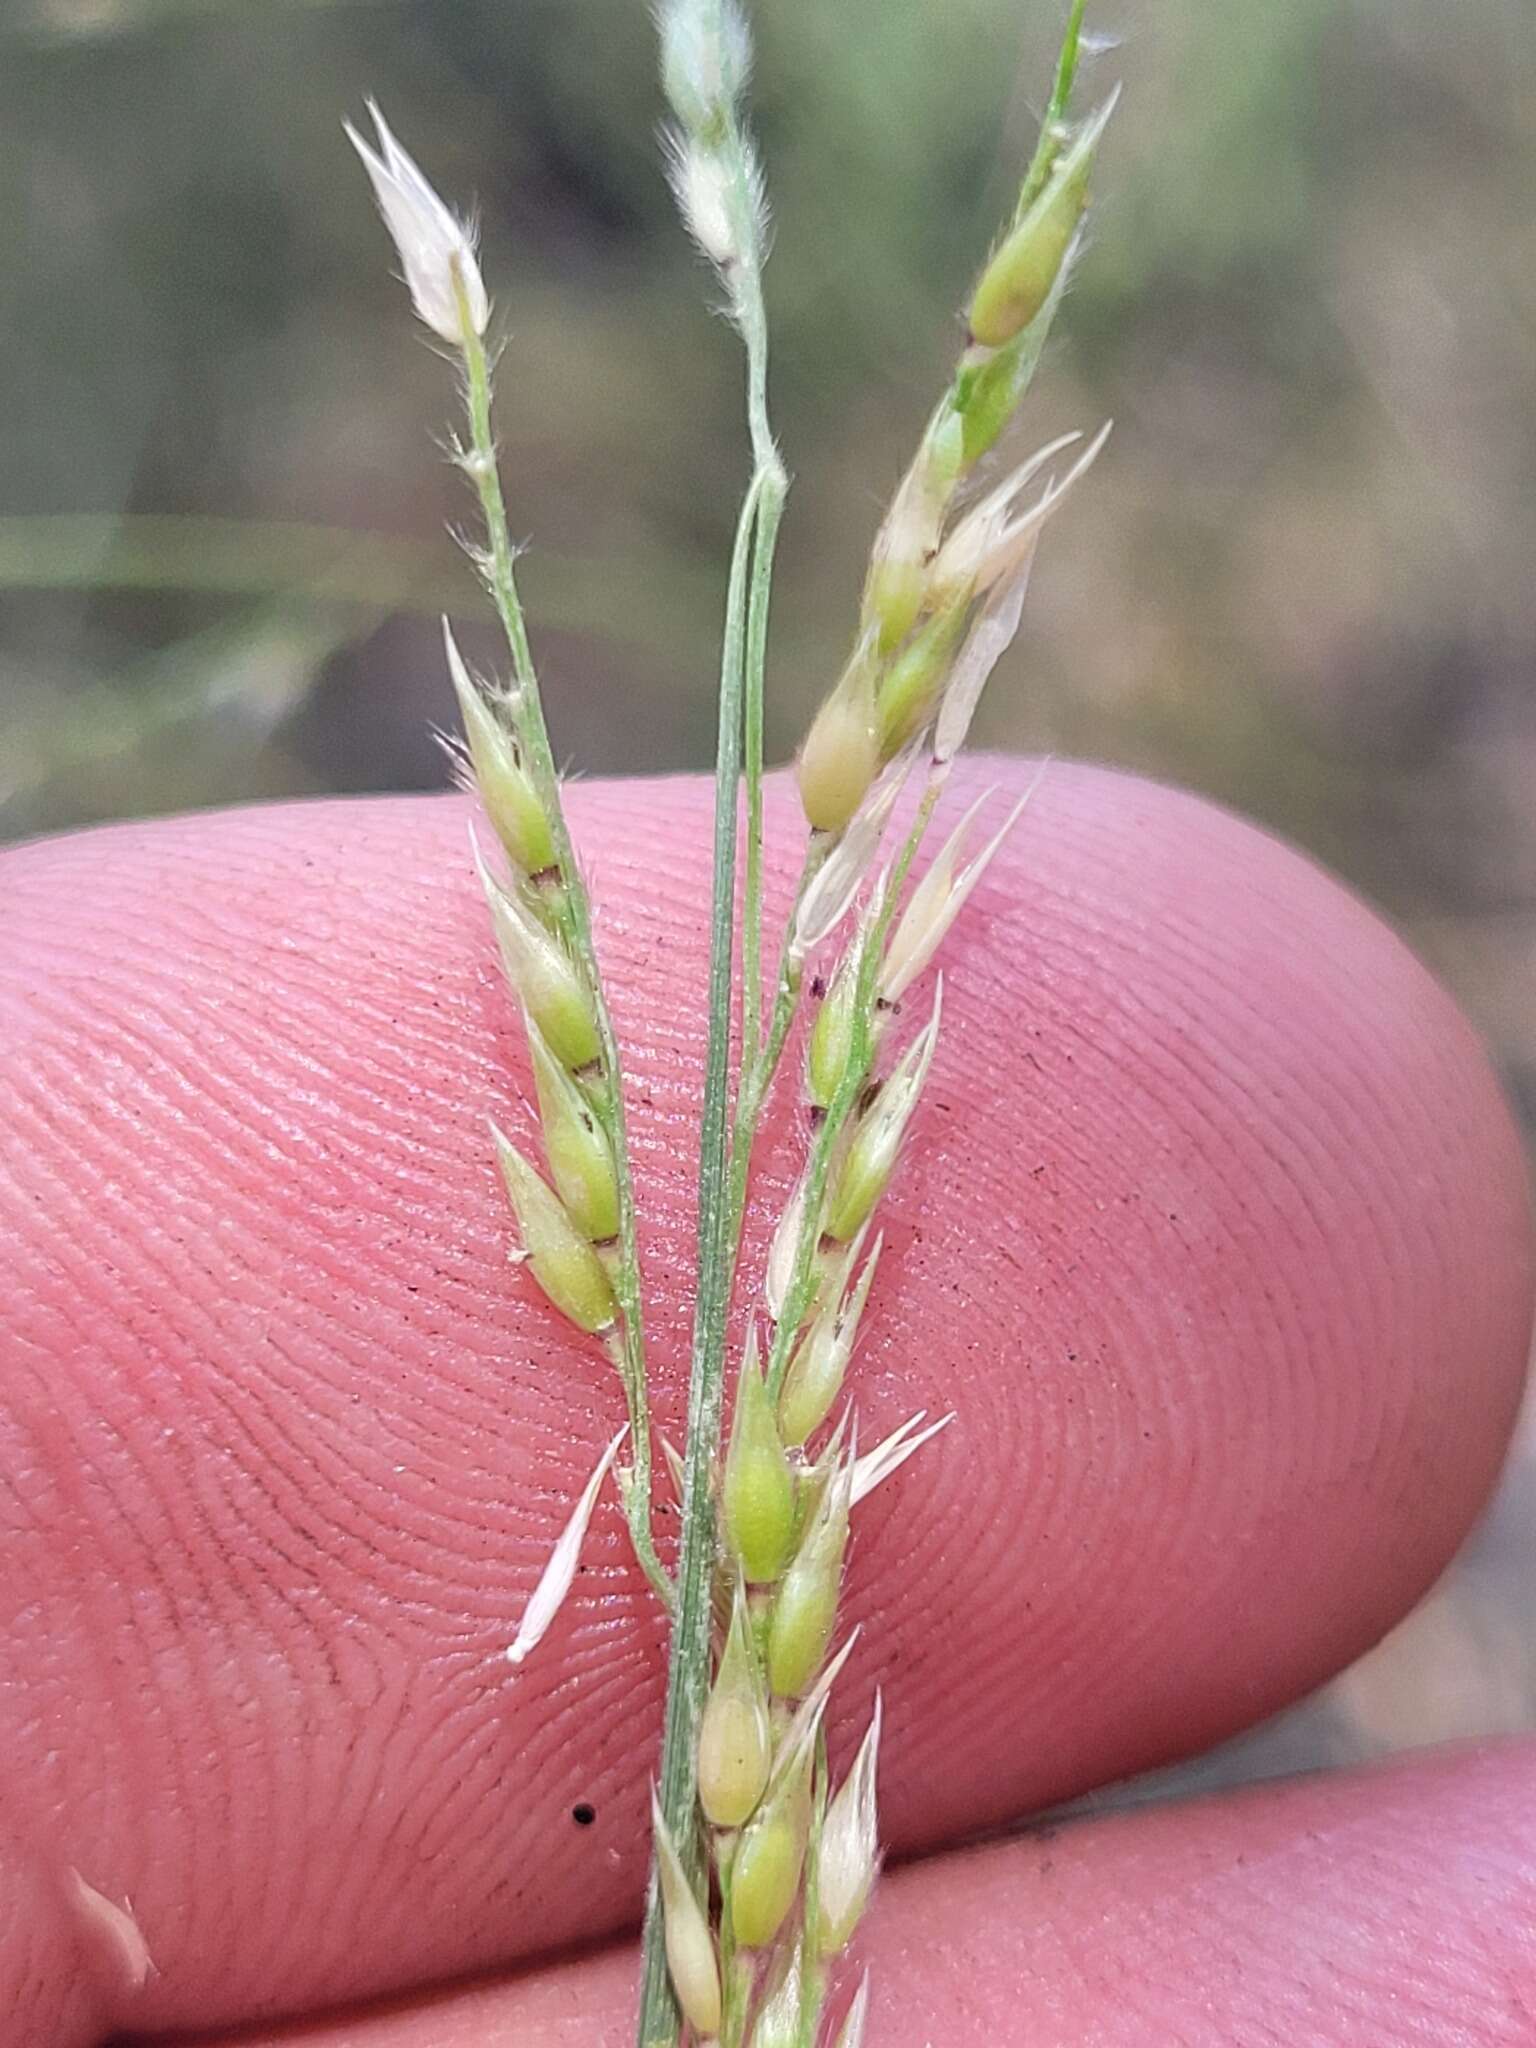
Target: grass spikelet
(556,1252)
(690,1948)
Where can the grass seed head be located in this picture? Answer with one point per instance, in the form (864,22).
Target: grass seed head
(560,1258)
(735,1738)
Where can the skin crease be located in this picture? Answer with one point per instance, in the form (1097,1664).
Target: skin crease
(1389,1908)
(1212,1229)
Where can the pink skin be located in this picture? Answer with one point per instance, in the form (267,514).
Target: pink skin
(1213,1231)
(1392,1908)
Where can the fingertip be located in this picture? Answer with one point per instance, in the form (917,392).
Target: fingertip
(1219,1241)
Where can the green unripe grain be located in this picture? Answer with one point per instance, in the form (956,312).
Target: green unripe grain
(757,1490)
(805,1606)
(910,688)
(580,1157)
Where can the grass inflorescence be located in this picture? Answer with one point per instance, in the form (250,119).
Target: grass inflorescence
(764,1859)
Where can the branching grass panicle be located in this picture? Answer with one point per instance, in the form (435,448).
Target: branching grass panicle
(764,1862)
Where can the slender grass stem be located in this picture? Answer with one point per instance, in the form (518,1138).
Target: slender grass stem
(769,515)
(773,488)
(1048,148)
(688,1673)
(574,918)
(739,744)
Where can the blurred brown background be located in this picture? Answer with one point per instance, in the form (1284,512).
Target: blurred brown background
(1300,578)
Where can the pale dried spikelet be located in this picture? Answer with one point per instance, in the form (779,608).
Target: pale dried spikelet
(701,186)
(691,1960)
(559,1257)
(1002,567)
(436,249)
(852,2034)
(1021,275)
(872,1151)
(849,1852)
(819,1366)
(706,57)
(877,1465)
(542,976)
(735,1738)
(115,1931)
(559,1574)
(958,564)
(836,884)
(913,929)
(939,899)
(778,2016)
(780,1273)
(677,1472)
(987,642)
(990,542)
(504,787)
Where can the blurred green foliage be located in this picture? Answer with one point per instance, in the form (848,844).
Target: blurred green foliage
(1299,577)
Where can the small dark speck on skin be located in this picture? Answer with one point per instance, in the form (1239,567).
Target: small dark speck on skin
(583,1814)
